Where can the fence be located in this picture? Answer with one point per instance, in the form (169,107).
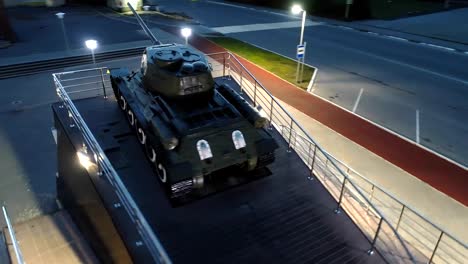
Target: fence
(397,231)
(92,83)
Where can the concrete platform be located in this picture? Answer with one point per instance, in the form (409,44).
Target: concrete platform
(283,218)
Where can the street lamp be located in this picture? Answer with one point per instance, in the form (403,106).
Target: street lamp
(60,16)
(186,32)
(92,45)
(297,9)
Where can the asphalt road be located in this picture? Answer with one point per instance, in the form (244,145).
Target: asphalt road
(398,78)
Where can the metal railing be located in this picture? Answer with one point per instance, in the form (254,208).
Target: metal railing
(408,237)
(91,83)
(11,231)
(424,236)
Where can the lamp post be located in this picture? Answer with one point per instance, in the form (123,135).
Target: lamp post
(186,33)
(297,9)
(60,16)
(92,45)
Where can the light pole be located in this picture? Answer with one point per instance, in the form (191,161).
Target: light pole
(60,16)
(297,9)
(92,45)
(186,33)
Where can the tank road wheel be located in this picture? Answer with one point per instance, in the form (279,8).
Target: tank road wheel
(151,154)
(162,173)
(131,117)
(141,135)
(122,103)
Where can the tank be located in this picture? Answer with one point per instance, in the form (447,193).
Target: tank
(188,125)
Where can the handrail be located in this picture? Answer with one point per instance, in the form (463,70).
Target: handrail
(19,255)
(391,196)
(227,63)
(293,120)
(146,233)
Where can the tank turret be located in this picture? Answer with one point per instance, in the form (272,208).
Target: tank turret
(176,71)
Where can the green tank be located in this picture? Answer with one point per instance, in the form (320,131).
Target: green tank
(188,125)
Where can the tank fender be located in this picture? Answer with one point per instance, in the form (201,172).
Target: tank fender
(265,145)
(119,72)
(164,132)
(244,108)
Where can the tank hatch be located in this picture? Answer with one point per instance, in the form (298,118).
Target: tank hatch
(176,71)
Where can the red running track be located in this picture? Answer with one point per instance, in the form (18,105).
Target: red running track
(441,174)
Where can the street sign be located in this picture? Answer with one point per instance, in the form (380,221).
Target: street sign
(300,51)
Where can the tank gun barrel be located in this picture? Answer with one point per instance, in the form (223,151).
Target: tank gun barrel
(144,26)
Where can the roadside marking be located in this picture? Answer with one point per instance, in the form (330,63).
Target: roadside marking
(225,4)
(436,46)
(455,79)
(396,38)
(357,100)
(265,26)
(417,126)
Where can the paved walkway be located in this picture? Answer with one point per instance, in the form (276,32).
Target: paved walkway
(386,150)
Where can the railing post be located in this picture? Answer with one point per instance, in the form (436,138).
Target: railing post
(255,94)
(370,197)
(290,135)
(313,159)
(436,246)
(241,76)
(103,85)
(337,210)
(229,65)
(224,65)
(371,250)
(399,219)
(271,114)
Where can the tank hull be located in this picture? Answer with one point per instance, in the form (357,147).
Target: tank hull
(160,122)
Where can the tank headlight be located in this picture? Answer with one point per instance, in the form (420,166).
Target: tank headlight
(238,139)
(144,63)
(204,150)
(171,144)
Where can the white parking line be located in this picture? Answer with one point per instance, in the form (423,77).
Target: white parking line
(357,100)
(396,38)
(437,46)
(417,126)
(455,79)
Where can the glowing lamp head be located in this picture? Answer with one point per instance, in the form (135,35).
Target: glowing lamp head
(60,15)
(186,32)
(91,44)
(296,9)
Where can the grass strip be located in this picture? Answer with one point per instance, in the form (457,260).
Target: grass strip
(272,62)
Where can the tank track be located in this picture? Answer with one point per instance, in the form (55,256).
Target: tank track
(265,159)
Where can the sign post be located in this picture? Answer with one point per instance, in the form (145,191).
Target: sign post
(300,56)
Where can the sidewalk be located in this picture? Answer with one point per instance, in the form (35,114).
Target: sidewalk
(371,151)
